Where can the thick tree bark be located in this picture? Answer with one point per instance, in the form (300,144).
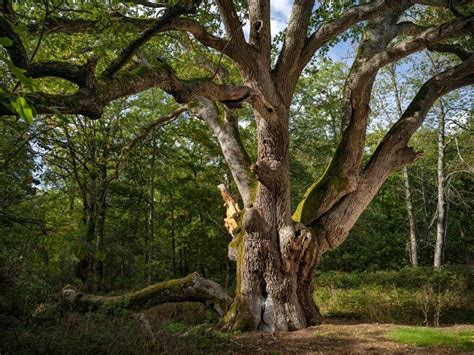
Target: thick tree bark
(274,289)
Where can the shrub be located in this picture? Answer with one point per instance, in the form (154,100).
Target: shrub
(412,296)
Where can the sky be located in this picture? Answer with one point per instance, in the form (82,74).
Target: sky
(280,14)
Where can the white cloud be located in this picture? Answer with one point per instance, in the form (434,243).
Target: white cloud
(281,9)
(277,26)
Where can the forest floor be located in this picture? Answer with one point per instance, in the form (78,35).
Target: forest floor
(345,336)
(124,334)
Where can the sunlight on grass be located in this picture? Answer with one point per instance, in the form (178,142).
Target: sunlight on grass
(433,337)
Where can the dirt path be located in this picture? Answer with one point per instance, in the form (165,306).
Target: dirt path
(336,337)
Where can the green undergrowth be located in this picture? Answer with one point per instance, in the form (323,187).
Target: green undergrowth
(410,296)
(457,340)
(177,328)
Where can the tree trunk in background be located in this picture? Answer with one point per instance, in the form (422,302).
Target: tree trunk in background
(86,268)
(101,216)
(99,248)
(441,212)
(411,217)
(151,217)
(173,238)
(411,220)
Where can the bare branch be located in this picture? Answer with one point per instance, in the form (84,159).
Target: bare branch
(422,41)
(330,30)
(16,50)
(226,130)
(144,37)
(449,48)
(142,136)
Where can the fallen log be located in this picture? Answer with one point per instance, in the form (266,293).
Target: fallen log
(192,288)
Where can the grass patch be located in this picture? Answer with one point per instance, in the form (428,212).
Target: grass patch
(461,340)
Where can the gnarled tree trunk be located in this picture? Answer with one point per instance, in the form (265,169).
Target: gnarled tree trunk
(274,260)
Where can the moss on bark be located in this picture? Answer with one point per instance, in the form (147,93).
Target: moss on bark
(193,288)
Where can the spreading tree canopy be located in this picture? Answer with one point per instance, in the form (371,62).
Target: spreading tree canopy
(214,57)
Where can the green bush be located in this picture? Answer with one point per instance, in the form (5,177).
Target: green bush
(459,277)
(411,296)
(176,328)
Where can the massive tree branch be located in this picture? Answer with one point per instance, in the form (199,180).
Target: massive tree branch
(225,128)
(287,71)
(409,28)
(90,101)
(392,153)
(397,138)
(449,48)
(441,3)
(144,37)
(237,48)
(82,75)
(65,25)
(232,24)
(155,5)
(260,37)
(71,26)
(421,41)
(332,29)
(342,176)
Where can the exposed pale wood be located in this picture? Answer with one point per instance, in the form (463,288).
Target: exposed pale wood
(232,210)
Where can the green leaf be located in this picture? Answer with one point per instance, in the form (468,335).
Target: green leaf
(23,109)
(19,73)
(5,41)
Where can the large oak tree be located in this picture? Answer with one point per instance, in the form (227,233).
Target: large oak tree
(276,249)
